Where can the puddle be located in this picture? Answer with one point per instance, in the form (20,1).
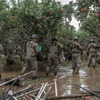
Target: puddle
(88,78)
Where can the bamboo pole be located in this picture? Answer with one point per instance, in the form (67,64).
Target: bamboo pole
(40,91)
(34,90)
(56,91)
(47,93)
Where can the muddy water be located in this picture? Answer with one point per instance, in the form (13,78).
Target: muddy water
(88,78)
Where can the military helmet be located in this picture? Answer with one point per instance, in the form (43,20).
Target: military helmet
(35,36)
(75,38)
(92,40)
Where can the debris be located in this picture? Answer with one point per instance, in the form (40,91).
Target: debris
(22,91)
(19,82)
(11,93)
(15,78)
(68,96)
(47,93)
(88,90)
(33,91)
(41,90)
(56,92)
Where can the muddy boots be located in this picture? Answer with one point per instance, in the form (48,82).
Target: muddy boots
(47,74)
(55,73)
(34,77)
(77,71)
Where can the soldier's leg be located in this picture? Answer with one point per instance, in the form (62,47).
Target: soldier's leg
(27,63)
(49,62)
(94,62)
(34,65)
(73,63)
(89,60)
(56,62)
(78,62)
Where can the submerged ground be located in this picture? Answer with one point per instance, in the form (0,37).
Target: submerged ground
(88,78)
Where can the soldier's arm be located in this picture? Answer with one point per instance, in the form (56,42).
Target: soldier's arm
(70,46)
(79,46)
(97,46)
(87,51)
(37,48)
(60,46)
(88,48)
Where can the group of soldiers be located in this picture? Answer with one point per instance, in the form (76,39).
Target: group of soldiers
(53,55)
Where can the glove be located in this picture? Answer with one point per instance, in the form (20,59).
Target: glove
(40,48)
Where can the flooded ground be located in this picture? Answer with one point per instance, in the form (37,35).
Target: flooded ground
(88,78)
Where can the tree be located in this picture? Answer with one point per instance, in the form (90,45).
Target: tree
(19,20)
(88,12)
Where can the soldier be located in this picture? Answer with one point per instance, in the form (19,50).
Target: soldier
(53,56)
(76,51)
(91,52)
(31,56)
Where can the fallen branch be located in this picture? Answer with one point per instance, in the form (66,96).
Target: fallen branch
(15,78)
(23,91)
(68,97)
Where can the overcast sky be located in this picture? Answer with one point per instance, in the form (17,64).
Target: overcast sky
(74,22)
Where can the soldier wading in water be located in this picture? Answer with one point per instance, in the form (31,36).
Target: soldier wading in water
(76,50)
(92,53)
(53,56)
(31,56)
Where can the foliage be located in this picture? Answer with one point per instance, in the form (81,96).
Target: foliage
(19,20)
(88,12)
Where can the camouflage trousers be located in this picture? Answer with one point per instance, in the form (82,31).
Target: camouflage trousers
(76,62)
(33,63)
(92,60)
(52,59)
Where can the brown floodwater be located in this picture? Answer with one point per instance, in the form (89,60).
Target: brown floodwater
(88,78)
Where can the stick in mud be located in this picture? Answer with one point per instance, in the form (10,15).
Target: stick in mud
(47,93)
(87,90)
(41,91)
(56,92)
(15,78)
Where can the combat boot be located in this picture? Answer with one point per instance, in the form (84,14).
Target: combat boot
(34,77)
(55,73)
(77,71)
(93,66)
(73,70)
(47,74)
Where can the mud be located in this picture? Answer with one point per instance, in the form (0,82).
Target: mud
(88,78)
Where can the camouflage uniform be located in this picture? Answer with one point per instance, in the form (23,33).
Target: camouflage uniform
(53,57)
(76,60)
(92,54)
(31,57)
